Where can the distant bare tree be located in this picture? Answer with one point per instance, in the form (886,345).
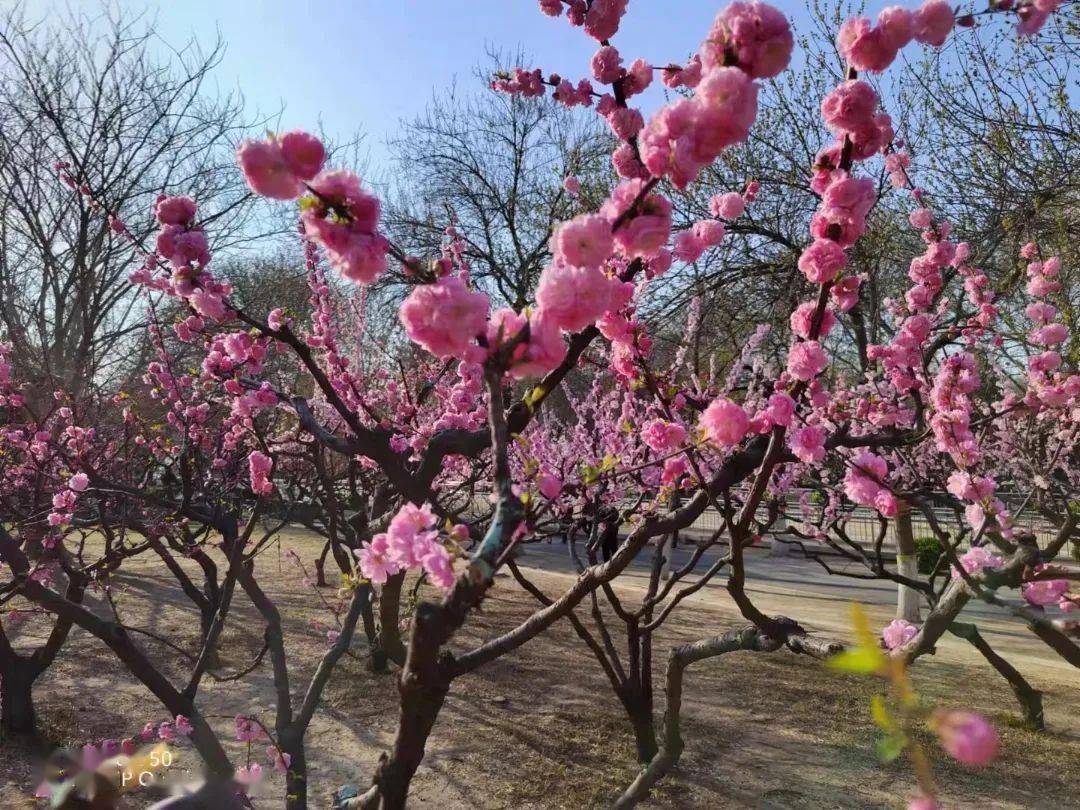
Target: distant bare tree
(88,91)
(496,162)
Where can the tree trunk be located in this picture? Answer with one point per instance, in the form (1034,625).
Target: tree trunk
(1029,698)
(378,654)
(907,599)
(390,619)
(640,713)
(17,714)
(423,685)
(296,774)
(207,614)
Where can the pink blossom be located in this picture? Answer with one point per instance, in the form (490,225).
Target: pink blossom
(246,729)
(822,261)
(248,775)
(728,206)
(974,560)
(727,108)
(303,154)
(898,633)
(725,423)
(647,230)
(688,134)
(854,196)
(208,304)
(845,293)
(375,562)
(544,351)
(709,231)
(897,25)
(1044,592)
(638,78)
(625,122)
(663,436)
(896,164)
(584,241)
(183,247)
(967,737)
(279,760)
(757,35)
(1040,286)
(410,533)
(573,297)
(603,18)
(175,210)
(259,466)
(607,65)
(806,360)
(865,47)
(437,565)
(571,184)
(970,488)
(343,219)
(674,470)
(933,21)
(1034,15)
(183,726)
(1050,335)
(266,171)
(79,482)
(1045,362)
(921,218)
(850,106)
(687,247)
(444,317)
(802,319)
(780,409)
(549,486)
(808,444)
(864,479)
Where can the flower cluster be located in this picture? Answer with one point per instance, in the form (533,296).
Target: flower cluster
(337,213)
(278,167)
(864,483)
(344,220)
(184,245)
(445,317)
(259,467)
(725,423)
(663,436)
(409,543)
(869,47)
(747,41)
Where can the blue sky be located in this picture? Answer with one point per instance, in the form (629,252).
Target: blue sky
(365,64)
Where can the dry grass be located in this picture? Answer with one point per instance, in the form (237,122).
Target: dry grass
(541,729)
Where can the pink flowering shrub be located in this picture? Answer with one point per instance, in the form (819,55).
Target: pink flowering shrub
(429,463)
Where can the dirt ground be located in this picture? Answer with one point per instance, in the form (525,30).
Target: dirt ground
(541,729)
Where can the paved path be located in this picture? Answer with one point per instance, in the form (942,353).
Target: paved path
(803,590)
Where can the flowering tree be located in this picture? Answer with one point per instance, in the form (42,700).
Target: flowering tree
(957,388)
